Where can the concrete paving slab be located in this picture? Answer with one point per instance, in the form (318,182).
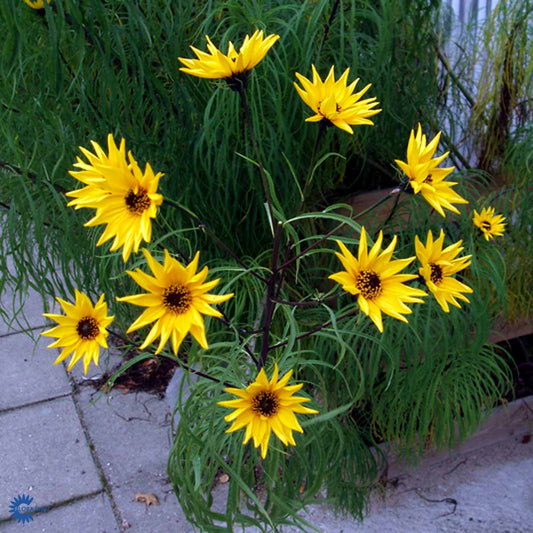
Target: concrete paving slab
(22,312)
(180,383)
(28,372)
(135,459)
(44,452)
(140,428)
(486,491)
(88,515)
(505,421)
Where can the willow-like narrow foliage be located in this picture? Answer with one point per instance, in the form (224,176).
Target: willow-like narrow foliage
(501,104)
(79,70)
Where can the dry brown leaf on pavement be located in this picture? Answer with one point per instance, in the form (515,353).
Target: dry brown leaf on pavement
(149,498)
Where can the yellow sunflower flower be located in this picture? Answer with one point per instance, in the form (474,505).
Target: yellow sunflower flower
(124,197)
(374,278)
(81,331)
(177,298)
(36,4)
(424,175)
(491,225)
(216,65)
(335,101)
(93,173)
(438,267)
(266,406)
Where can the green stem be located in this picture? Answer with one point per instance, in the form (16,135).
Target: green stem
(336,228)
(269,297)
(202,226)
(311,331)
(327,28)
(14,169)
(169,356)
(394,192)
(392,211)
(247,117)
(450,145)
(444,60)
(226,321)
(321,129)
(288,248)
(309,303)
(197,372)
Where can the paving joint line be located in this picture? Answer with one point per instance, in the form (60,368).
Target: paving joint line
(36,402)
(25,330)
(62,503)
(94,455)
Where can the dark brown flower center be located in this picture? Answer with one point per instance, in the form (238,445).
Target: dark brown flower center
(338,108)
(137,202)
(87,328)
(487,226)
(177,298)
(429,179)
(436,273)
(369,284)
(265,403)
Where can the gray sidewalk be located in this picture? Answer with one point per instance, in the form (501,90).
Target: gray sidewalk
(84,462)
